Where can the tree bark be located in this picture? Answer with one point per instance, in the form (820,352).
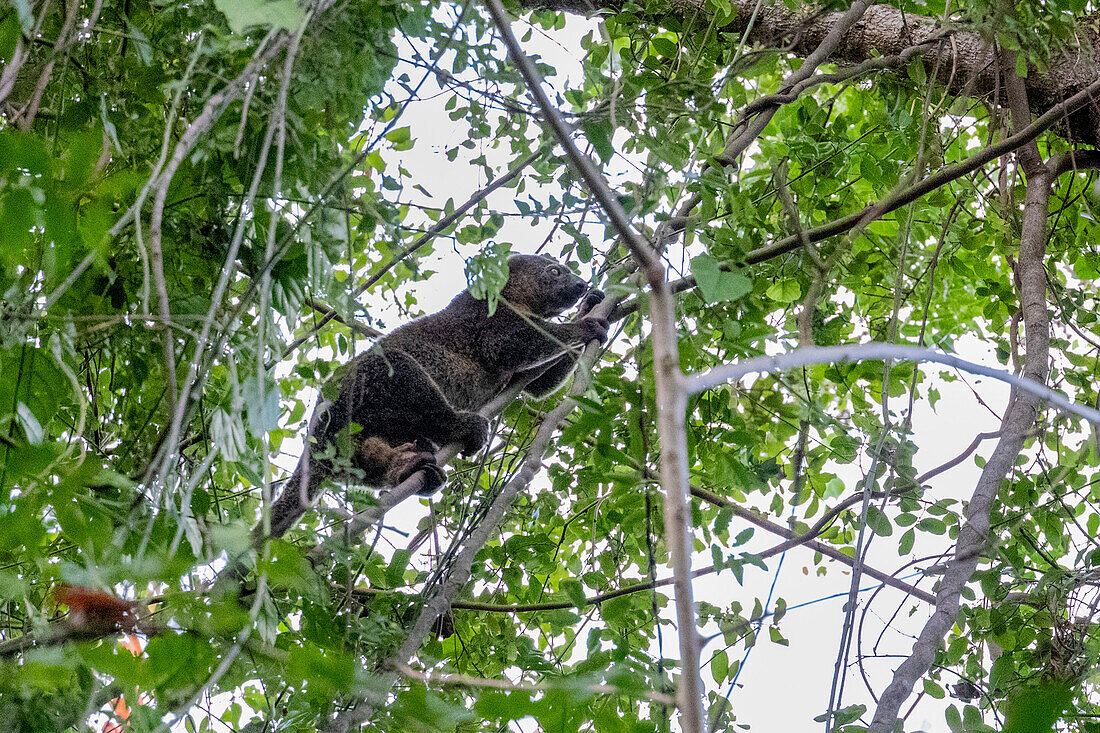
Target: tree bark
(964,62)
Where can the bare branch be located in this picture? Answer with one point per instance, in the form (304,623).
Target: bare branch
(671,395)
(1023,409)
(959,458)
(584,166)
(877,351)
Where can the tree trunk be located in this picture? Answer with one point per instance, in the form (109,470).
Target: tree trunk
(965,62)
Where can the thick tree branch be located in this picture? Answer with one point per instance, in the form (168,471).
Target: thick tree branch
(878,351)
(964,62)
(1023,409)
(671,394)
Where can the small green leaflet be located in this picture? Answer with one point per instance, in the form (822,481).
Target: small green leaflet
(241,14)
(784,291)
(716,285)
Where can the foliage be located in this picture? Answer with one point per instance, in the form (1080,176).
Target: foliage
(135,445)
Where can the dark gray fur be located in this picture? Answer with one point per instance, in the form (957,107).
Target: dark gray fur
(418,389)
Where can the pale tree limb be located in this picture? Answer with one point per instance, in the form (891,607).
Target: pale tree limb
(160,462)
(1023,410)
(265,317)
(959,458)
(212,111)
(961,59)
(671,394)
(877,351)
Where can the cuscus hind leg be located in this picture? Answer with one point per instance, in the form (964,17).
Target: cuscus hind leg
(388,465)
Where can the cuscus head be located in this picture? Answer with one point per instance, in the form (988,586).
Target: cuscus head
(541,285)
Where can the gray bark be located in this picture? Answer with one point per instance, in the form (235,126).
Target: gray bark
(963,61)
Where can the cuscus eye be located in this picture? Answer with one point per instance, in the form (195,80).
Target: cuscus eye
(554,270)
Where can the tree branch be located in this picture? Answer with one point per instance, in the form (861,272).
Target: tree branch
(960,59)
(806,356)
(671,395)
(932,182)
(1023,409)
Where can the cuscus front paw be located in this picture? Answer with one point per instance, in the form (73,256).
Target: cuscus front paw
(591,299)
(594,329)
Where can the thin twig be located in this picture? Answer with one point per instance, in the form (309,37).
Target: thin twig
(463,680)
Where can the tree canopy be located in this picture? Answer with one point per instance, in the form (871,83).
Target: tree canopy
(811,221)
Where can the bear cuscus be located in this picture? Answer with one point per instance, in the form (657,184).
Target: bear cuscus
(383,415)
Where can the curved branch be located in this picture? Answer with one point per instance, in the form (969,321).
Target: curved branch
(874,351)
(1023,409)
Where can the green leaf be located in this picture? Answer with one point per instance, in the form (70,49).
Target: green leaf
(934,689)
(598,133)
(777,637)
(878,521)
(1037,709)
(617,611)
(933,525)
(785,291)
(574,591)
(395,571)
(12,587)
(717,285)
(905,545)
(720,666)
(844,715)
(243,14)
(228,434)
